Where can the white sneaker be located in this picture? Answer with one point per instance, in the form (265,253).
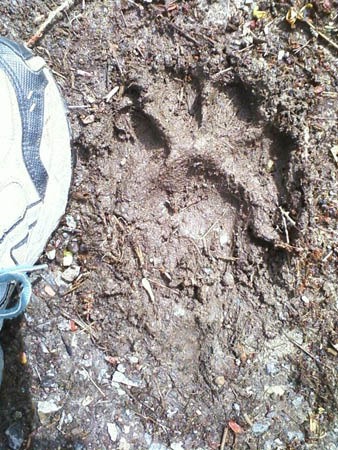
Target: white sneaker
(35,168)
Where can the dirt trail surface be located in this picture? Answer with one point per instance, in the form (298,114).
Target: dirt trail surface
(191,297)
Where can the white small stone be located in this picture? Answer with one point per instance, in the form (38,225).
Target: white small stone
(220,380)
(179,311)
(119,377)
(147,438)
(176,446)
(261,427)
(87,401)
(280,55)
(71,273)
(49,291)
(133,359)
(47,407)
(69,418)
(67,259)
(121,368)
(119,391)
(51,254)
(123,162)
(223,238)
(278,390)
(71,223)
(123,444)
(157,446)
(113,431)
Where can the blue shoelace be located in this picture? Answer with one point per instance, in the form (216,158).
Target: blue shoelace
(18,274)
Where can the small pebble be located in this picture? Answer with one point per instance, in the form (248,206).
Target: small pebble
(51,254)
(207,270)
(236,407)
(223,238)
(297,402)
(123,444)
(157,446)
(271,368)
(119,377)
(88,119)
(113,431)
(277,390)
(15,436)
(261,427)
(295,436)
(45,408)
(67,259)
(228,280)
(121,368)
(280,55)
(133,359)
(73,247)
(71,273)
(176,446)
(49,291)
(220,381)
(71,223)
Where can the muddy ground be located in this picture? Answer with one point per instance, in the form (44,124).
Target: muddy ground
(191,297)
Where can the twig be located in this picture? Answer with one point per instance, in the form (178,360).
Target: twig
(184,34)
(289,248)
(301,348)
(80,323)
(140,7)
(163,286)
(286,229)
(286,214)
(222,71)
(224,438)
(97,387)
(53,16)
(322,35)
(327,256)
(213,225)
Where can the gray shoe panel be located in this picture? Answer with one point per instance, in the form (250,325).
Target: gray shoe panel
(29,87)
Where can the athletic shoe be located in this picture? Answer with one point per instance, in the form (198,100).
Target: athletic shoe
(35,169)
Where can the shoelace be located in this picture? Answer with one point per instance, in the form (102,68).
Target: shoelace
(18,274)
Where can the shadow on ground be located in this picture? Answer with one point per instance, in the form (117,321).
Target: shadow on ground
(19,421)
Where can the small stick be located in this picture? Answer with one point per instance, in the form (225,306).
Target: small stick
(97,387)
(184,34)
(286,214)
(322,35)
(301,348)
(213,225)
(224,438)
(52,17)
(163,286)
(286,229)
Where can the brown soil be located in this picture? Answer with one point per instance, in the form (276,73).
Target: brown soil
(203,218)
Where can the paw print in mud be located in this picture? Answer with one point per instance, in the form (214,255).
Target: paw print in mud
(201,171)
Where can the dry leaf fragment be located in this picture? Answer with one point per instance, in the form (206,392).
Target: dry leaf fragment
(257,14)
(23,358)
(334,153)
(72,325)
(235,427)
(147,287)
(291,17)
